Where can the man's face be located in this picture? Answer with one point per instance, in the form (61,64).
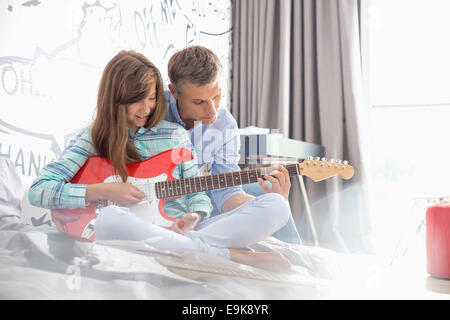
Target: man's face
(198,104)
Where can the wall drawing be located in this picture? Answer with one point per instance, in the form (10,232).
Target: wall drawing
(52,54)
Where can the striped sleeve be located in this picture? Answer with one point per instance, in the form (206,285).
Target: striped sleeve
(52,188)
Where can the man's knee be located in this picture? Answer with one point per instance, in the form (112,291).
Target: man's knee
(277,206)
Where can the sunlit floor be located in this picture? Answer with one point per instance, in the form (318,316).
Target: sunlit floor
(402,275)
(400,270)
(407,278)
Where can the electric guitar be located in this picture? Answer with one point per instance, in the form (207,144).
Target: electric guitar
(154,177)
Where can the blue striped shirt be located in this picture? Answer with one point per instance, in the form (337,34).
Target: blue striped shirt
(52,188)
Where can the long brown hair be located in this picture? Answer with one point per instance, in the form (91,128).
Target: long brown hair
(127,78)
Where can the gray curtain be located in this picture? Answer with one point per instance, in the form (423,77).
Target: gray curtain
(297,68)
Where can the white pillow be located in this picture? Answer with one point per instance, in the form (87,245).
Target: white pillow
(11,189)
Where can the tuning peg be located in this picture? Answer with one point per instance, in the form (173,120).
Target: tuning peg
(310,158)
(317,158)
(345,162)
(324,159)
(339,161)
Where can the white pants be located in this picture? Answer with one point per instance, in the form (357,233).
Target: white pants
(239,228)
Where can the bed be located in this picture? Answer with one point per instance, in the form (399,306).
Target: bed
(41,263)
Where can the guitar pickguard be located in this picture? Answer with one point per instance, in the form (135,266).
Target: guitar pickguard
(148,208)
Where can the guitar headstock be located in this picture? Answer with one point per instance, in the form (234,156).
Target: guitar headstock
(319,169)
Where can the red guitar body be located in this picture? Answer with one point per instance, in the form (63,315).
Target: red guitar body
(98,169)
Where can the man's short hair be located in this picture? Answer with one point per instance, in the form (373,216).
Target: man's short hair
(195,65)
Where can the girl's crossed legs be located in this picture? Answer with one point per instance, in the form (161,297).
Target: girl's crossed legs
(224,235)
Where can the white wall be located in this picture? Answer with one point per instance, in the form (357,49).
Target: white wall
(52,54)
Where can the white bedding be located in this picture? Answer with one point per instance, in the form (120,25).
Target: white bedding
(40,263)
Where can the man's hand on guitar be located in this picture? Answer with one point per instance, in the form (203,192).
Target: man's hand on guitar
(190,221)
(281,183)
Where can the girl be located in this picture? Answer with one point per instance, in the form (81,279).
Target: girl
(129,127)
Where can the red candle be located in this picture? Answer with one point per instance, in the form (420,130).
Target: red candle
(438,240)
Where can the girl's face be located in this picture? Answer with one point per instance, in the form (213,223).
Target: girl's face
(139,112)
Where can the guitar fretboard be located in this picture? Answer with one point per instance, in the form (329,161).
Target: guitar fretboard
(180,187)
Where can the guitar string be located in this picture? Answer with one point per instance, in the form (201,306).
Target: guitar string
(174,188)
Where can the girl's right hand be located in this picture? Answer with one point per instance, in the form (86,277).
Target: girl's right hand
(120,193)
(123,193)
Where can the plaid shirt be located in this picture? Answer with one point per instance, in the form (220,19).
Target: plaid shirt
(52,188)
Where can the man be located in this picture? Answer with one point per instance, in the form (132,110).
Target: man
(193,101)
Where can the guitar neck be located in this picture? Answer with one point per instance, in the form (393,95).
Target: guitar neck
(176,188)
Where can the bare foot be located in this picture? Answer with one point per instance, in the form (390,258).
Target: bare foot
(272,261)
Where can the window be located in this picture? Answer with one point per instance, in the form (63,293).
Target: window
(408,65)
